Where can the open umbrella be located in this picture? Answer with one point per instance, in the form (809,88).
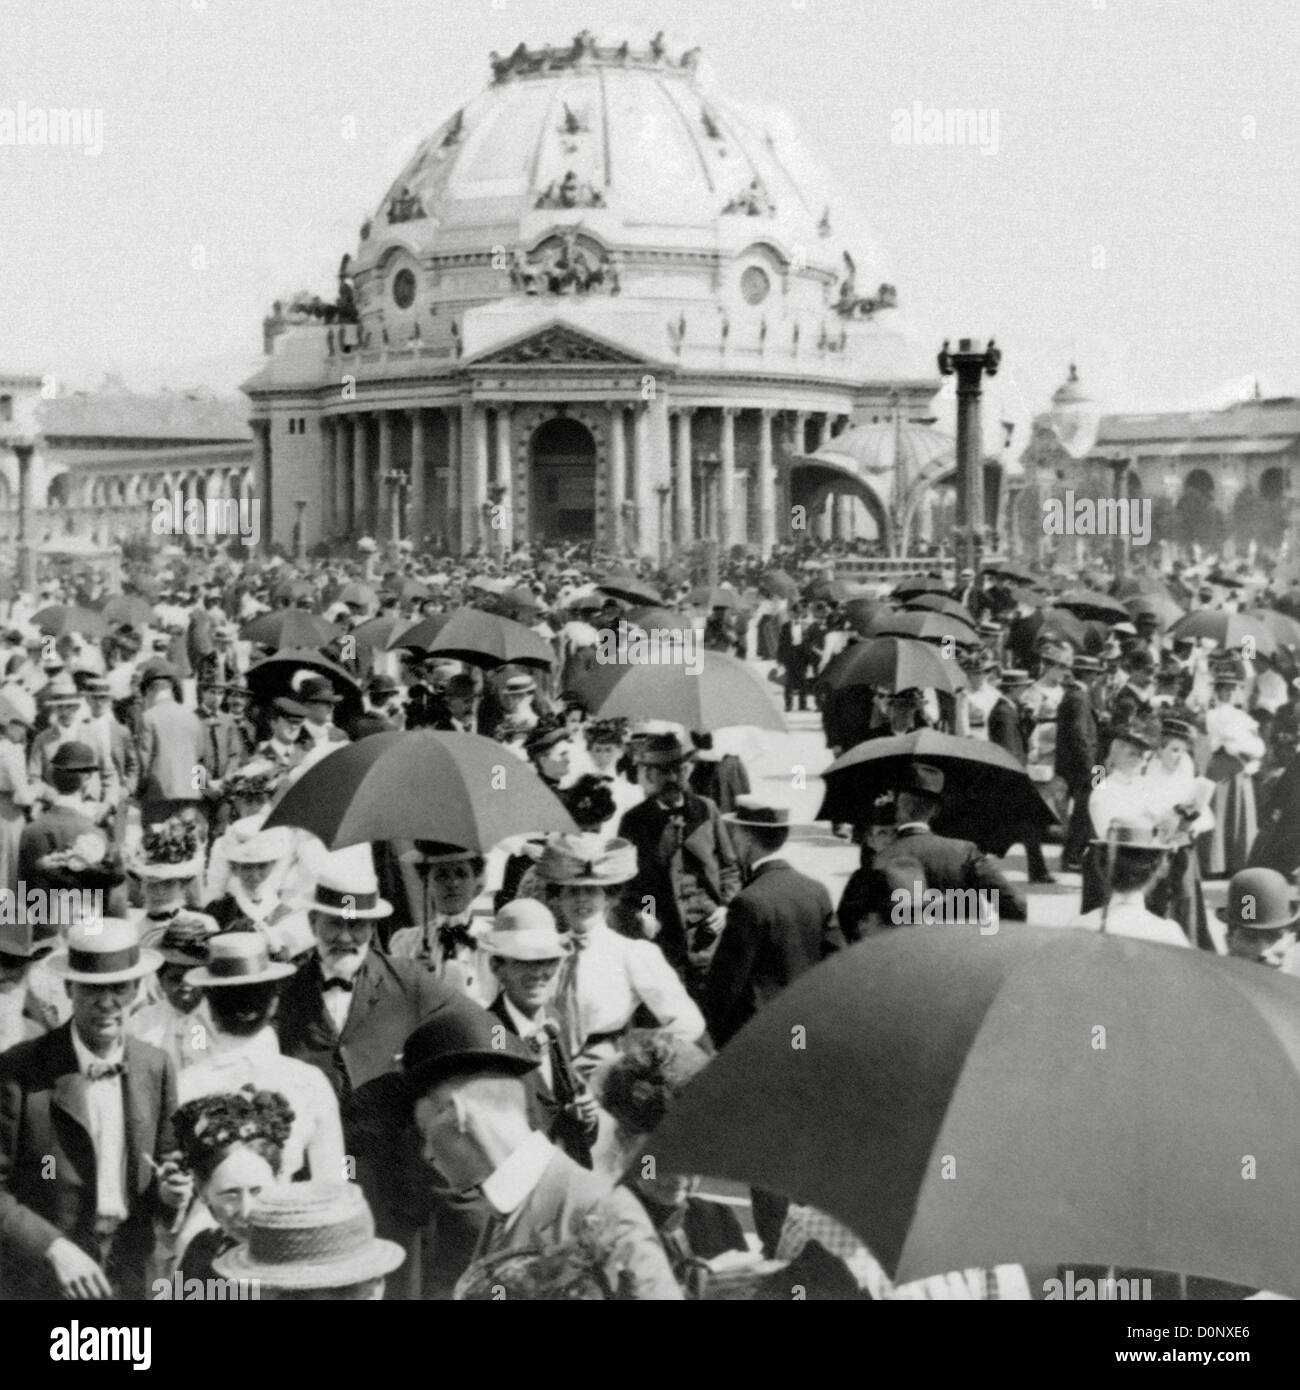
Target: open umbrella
(779,585)
(663,619)
(1285,630)
(378,633)
(893,664)
(489,640)
(724,692)
(939,603)
(630,589)
(721,596)
(1017,574)
(928,627)
(60,620)
(920,584)
(987,795)
(1057,1070)
(289,627)
(415,635)
(1159,606)
(126,609)
(829,590)
(421,785)
(410,588)
(862,612)
(295,590)
(1085,603)
(361,595)
(1230,630)
(1057,623)
(273,676)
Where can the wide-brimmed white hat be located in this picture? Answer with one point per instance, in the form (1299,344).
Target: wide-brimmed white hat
(249,845)
(525,930)
(587,860)
(104,952)
(348,888)
(237,958)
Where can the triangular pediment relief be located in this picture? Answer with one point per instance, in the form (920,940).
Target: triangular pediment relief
(558,343)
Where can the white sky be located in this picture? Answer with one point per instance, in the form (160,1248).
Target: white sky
(225,180)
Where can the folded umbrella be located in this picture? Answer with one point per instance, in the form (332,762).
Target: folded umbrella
(421,785)
(987,795)
(966,1100)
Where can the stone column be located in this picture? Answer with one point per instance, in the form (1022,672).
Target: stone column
(451,518)
(846,516)
(261,476)
(474,473)
(727,479)
(505,519)
(617,475)
(361,522)
(417,523)
(329,471)
(384,491)
(766,485)
(344,522)
(684,524)
(823,430)
(642,492)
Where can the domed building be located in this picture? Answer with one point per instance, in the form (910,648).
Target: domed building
(601,302)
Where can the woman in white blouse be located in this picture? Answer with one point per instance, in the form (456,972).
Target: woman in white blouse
(15,794)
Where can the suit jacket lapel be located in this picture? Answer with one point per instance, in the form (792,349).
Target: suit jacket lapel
(369,982)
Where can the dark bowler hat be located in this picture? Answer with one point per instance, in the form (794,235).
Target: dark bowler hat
(1259,900)
(461,1039)
(1085,665)
(318,690)
(922,778)
(546,735)
(753,810)
(380,685)
(290,709)
(154,671)
(663,750)
(74,757)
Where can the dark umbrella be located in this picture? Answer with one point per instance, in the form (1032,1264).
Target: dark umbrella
(290,627)
(519,604)
(722,596)
(922,584)
(414,635)
(829,590)
(987,795)
(1229,630)
(421,785)
(928,627)
(126,609)
(1058,623)
(412,588)
(1017,574)
(862,612)
(1285,630)
(1159,606)
(273,676)
(779,585)
(723,692)
(378,633)
(939,603)
(1141,584)
(893,664)
(59,620)
(630,589)
(489,640)
(1085,603)
(1057,1069)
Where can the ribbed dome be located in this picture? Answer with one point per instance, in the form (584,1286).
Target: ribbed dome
(636,147)
(872,450)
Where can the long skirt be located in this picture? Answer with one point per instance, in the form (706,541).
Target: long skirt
(1226,849)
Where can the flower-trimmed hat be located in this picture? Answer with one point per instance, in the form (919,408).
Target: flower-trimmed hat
(254,780)
(170,849)
(587,860)
(311,1235)
(184,942)
(104,952)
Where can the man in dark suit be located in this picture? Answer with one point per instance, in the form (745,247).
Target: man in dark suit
(86,1149)
(779,925)
(1009,727)
(382,713)
(799,647)
(944,863)
(1078,752)
(349,1006)
(685,861)
(526,953)
(64,822)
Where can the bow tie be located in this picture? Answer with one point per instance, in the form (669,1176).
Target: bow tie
(104,1071)
(543,1038)
(454,935)
(347,985)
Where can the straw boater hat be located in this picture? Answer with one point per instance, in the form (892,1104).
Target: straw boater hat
(104,952)
(253,845)
(438,852)
(311,1235)
(663,750)
(1259,900)
(238,958)
(525,930)
(60,691)
(348,888)
(519,685)
(587,859)
(1133,834)
(753,810)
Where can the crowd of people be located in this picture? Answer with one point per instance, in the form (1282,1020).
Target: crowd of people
(423,1069)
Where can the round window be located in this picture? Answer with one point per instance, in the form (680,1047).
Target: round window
(754,284)
(404,288)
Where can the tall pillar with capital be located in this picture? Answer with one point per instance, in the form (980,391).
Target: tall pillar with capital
(261,477)
(660,470)
(684,523)
(474,474)
(970,363)
(727,479)
(766,485)
(503,519)
(416,513)
(361,522)
(343,520)
(617,475)
(451,519)
(384,487)
(643,498)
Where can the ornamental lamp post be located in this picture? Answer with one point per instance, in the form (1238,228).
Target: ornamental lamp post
(969,364)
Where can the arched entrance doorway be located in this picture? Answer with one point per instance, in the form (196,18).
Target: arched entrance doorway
(562,491)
